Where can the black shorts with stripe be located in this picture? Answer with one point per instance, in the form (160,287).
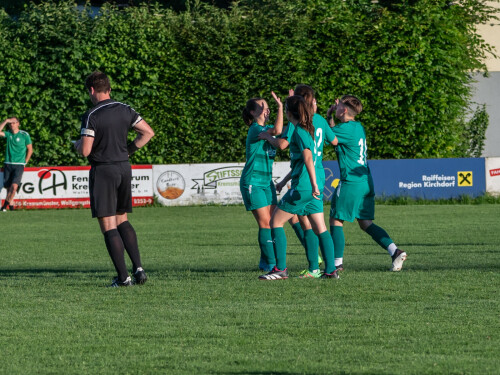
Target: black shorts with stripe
(110,189)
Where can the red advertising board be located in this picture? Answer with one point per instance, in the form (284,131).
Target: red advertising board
(67,187)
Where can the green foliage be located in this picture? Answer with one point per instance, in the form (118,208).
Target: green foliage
(190,73)
(475,131)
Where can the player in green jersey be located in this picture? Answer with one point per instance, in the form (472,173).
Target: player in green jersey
(281,143)
(17,154)
(302,227)
(323,134)
(354,197)
(256,183)
(304,197)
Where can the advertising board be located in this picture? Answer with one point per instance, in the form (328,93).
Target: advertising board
(196,184)
(493,176)
(423,178)
(66,187)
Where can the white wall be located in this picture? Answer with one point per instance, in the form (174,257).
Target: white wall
(487,90)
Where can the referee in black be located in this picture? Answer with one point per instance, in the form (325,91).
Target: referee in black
(104,142)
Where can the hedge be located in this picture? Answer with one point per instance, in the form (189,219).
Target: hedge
(190,73)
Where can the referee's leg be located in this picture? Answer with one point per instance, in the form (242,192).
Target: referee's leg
(129,238)
(114,244)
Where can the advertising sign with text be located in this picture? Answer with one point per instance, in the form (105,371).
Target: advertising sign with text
(65,187)
(493,176)
(193,184)
(424,178)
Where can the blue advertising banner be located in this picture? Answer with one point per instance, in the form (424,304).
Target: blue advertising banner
(419,178)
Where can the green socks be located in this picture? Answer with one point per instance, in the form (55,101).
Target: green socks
(338,240)
(326,245)
(379,235)
(279,239)
(312,243)
(266,246)
(300,233)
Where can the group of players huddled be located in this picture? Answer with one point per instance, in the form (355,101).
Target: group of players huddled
(104,142)
(302,205)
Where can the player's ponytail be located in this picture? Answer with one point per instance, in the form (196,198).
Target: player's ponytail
(297,106)
(307,93)
(252,105)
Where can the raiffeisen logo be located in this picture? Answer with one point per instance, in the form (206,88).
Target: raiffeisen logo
(51,179)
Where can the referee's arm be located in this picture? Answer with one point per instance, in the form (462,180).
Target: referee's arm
(84,145)
(144,135)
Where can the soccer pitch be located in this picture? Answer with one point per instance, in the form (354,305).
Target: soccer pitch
(203,310)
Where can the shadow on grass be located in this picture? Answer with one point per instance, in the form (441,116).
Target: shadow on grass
(57,272)
(211,271)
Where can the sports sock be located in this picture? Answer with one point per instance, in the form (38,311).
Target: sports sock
(5,205)
(312,243)
(326,245)
(11,207)
(129,238)
(391,249)
(279,239)
(114,244)
(266,246)
(338,240)
(300,233)
(380,236)
(339,262)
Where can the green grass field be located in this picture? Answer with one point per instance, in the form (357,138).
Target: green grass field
(203,311)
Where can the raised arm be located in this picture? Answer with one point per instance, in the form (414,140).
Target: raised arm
(331,112)
(2,125)
(278,124)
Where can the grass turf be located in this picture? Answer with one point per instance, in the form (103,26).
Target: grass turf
(204,310)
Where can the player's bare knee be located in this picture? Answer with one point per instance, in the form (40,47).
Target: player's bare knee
(364,224)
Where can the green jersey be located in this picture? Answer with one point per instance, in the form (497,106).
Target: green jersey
(351,151)
(301,140)
(288,132)
(260,154)
(15,152)
(322,134)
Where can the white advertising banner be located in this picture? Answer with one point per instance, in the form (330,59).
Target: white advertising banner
(193,184)
(493,176)
(65,187)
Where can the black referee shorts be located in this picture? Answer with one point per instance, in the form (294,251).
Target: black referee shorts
(110,189)
(12,174)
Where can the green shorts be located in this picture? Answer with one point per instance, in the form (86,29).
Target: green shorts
(353,200)
(255,197)
(301,202)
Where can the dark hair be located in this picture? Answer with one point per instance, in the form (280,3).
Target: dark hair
(353,104)
(307,93)
(99,81)
(252,105)
(297,106)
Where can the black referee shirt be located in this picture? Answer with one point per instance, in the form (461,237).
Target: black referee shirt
(109,123)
